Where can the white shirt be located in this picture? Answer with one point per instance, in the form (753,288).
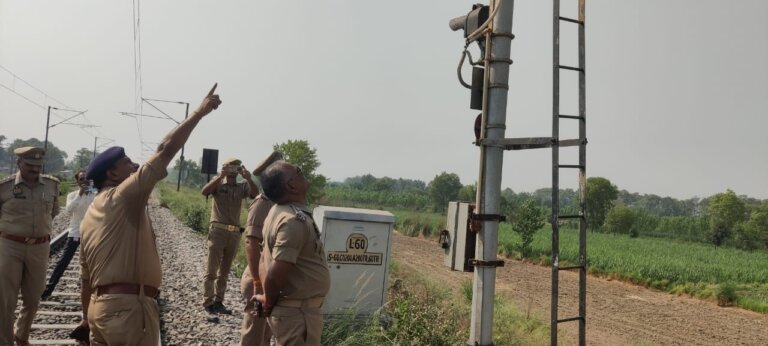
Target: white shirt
(76,207)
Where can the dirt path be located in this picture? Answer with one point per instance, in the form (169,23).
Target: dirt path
(617,313)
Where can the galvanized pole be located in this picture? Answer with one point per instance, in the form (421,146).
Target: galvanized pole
(181,159)
(47,126)
(94,147)
(491,159)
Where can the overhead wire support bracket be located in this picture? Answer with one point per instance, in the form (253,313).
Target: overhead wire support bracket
(65,120)
(159,110)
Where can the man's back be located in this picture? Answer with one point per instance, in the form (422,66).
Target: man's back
(111,228)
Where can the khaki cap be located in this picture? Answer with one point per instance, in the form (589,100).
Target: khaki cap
(232,162)
(30,155)
(272,158)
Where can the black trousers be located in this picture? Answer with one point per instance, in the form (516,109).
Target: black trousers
(61,266)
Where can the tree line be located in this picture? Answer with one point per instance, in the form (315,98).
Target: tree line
(56,160)
(721,219)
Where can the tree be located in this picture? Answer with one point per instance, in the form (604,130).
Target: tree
(621,219)
(443,189)
(81,159)
(756,228)
(528,219)
(725,211)
(468,193)
(5,159)
(54,157)
(600,196)
(299,153)
(191,176)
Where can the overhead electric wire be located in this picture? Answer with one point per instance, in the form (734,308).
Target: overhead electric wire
(32,86)
(48,97)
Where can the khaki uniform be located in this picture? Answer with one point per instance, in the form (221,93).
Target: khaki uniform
(118,247)
(290,235)
(26,215)
(223,239)
(254,330)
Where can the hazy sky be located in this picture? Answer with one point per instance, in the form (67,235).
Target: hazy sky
(677,91)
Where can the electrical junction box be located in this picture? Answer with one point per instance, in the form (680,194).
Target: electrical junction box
(357,248)
(457,240)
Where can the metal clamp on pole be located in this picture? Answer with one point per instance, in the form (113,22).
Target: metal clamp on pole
(510,35)
(488,217)
(480,263)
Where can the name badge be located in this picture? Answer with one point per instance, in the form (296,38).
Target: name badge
(18,194)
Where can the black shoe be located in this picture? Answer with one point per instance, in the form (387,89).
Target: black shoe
(210,309)
(219,308)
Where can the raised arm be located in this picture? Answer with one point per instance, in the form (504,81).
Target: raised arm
(212,185)
(175,139)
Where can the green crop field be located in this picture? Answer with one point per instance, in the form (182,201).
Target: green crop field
(701,270)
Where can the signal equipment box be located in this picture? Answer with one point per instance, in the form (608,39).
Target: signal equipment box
(357,247)
(458,241)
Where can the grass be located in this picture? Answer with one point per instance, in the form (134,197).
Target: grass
(420,311)
(418,223)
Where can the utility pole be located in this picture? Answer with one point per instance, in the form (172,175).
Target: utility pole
(494,36)
(181,159)
(95,145)
(497,50)
(48,124)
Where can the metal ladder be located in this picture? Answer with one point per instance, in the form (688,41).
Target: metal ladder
(556,166)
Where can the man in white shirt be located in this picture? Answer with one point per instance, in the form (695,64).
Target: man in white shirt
(77,204)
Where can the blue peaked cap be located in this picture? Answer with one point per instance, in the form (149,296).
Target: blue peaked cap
(104,161)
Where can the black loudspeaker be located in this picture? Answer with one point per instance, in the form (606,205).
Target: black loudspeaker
(210,161)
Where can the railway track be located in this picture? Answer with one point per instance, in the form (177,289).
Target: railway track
(183,320)
(61,313)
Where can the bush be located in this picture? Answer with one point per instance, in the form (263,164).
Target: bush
(196,217)
(726,295)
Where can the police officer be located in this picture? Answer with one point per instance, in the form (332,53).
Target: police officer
(120,265)
(28,203)
(297,277)
(224,230)
(254,331)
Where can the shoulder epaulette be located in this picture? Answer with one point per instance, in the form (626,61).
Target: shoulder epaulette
(299,215)
(50,177)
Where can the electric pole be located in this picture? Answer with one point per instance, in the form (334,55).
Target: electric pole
(494,37)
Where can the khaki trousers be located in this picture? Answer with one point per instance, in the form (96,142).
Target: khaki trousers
(254,331)
(296,326)
(124,319)
(22,266)
(222,248)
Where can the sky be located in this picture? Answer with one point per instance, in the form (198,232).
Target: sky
(677,91)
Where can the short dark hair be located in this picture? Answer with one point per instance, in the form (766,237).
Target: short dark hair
(272,182)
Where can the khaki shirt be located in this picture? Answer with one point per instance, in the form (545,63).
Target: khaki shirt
(257,213)
(118,243)
(291,236)
(28,211)
(227,203)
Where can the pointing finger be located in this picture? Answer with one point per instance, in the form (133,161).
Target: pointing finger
(210,93)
